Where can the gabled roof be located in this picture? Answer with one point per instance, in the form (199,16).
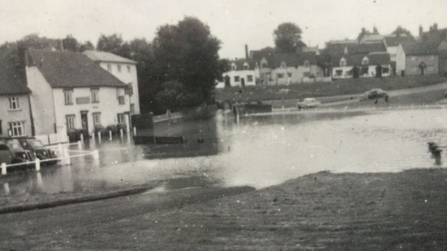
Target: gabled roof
(240,64)
(415,48)
(102,56)
(356,59)
(290,59)
(64,69)
(396,40)
(310,56)
(266,53)
(12,72)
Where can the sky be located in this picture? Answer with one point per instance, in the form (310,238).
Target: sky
(235,23)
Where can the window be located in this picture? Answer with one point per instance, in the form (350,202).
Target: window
(245,66)
(95,95)
(132,108)
(17,128)
(68,96)
(96,118)
(365,61)
(306,63)
(385,70)
(289,74)
(129,70)
(249,78)
(119,68)
(280,75)
(342,62)
(120,95)
(121,119)
(283,65)
(14,103)
(264,65)
(109,67)
(70,121)
(269,76)
(236,78)
(339,72)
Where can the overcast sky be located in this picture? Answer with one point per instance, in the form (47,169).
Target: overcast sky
(234,22)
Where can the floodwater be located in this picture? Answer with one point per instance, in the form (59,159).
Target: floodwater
(260,151)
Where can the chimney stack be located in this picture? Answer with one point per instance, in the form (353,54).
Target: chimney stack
(246,52)
(435,26)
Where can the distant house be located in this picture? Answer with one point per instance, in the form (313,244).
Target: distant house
(374,64)
(417,58)
(392,45)
(70,92)
(15,113)
(442,53)
(122,68)
(242,73)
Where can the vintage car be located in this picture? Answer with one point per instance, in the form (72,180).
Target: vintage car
(36,147)
(373,94)
(308,103)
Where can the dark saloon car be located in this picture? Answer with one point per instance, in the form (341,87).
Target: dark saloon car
(373,94)
(36,147)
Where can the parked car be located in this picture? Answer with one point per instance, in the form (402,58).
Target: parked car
(19,151)
(36,148)
(308,103)
(9,156)
(373,94)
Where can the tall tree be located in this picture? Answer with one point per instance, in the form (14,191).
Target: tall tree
(187,53)
(70,43)
(399,31)
(110,43)
(287,37)
(86,46)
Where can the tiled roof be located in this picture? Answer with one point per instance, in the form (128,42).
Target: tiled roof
(379,58)
(258,55)
(339,49)
(12,73)
(395,41)
(240,64)
(291,60)
(103,56)
(70,69)
(415,48)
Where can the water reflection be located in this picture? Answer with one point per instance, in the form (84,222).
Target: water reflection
(260,151)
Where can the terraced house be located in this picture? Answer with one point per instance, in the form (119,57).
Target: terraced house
(71,92)
(15,113)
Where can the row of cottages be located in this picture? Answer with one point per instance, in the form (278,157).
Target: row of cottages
(358,60)
(55,92)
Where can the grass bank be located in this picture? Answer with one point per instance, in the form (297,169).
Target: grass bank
(338,87)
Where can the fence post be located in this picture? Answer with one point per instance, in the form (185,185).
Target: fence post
(39,180)
(3,168)
(134,131)
(93,140)
(121,133)
(79,145)
(82,138)
(67,157)
(6,187)
(110,135)
(95,157)
(37,164)
(59,148)
(99,137)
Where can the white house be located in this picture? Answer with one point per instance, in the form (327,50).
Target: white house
(122,68)
(70,91)
(242,73)
(392,45)
(361,65)
(15,113)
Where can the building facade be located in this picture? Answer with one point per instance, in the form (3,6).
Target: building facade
(417,59)
(122,68)
(71,92)
(15,112)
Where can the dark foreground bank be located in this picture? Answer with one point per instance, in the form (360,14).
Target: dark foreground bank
(323,211)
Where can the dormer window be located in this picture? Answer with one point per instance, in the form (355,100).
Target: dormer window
(233,67)
(245,66)
(342,62)
(264,63)
(345,51)
(365,61)
(283,64)
(306,63)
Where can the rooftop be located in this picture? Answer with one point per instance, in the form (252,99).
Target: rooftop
(12,72)
(102,56)
(71,69)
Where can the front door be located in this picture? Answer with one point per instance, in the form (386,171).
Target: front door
(242,82)
(84,121)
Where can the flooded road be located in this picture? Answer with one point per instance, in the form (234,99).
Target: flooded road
(260,151)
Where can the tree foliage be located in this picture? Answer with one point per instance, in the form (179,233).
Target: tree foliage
(70,44)
(187,53)
(86,46)
(287,37)
(399,31)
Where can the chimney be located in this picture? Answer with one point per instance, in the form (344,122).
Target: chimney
(421,30)
(435,26)
(246,52)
